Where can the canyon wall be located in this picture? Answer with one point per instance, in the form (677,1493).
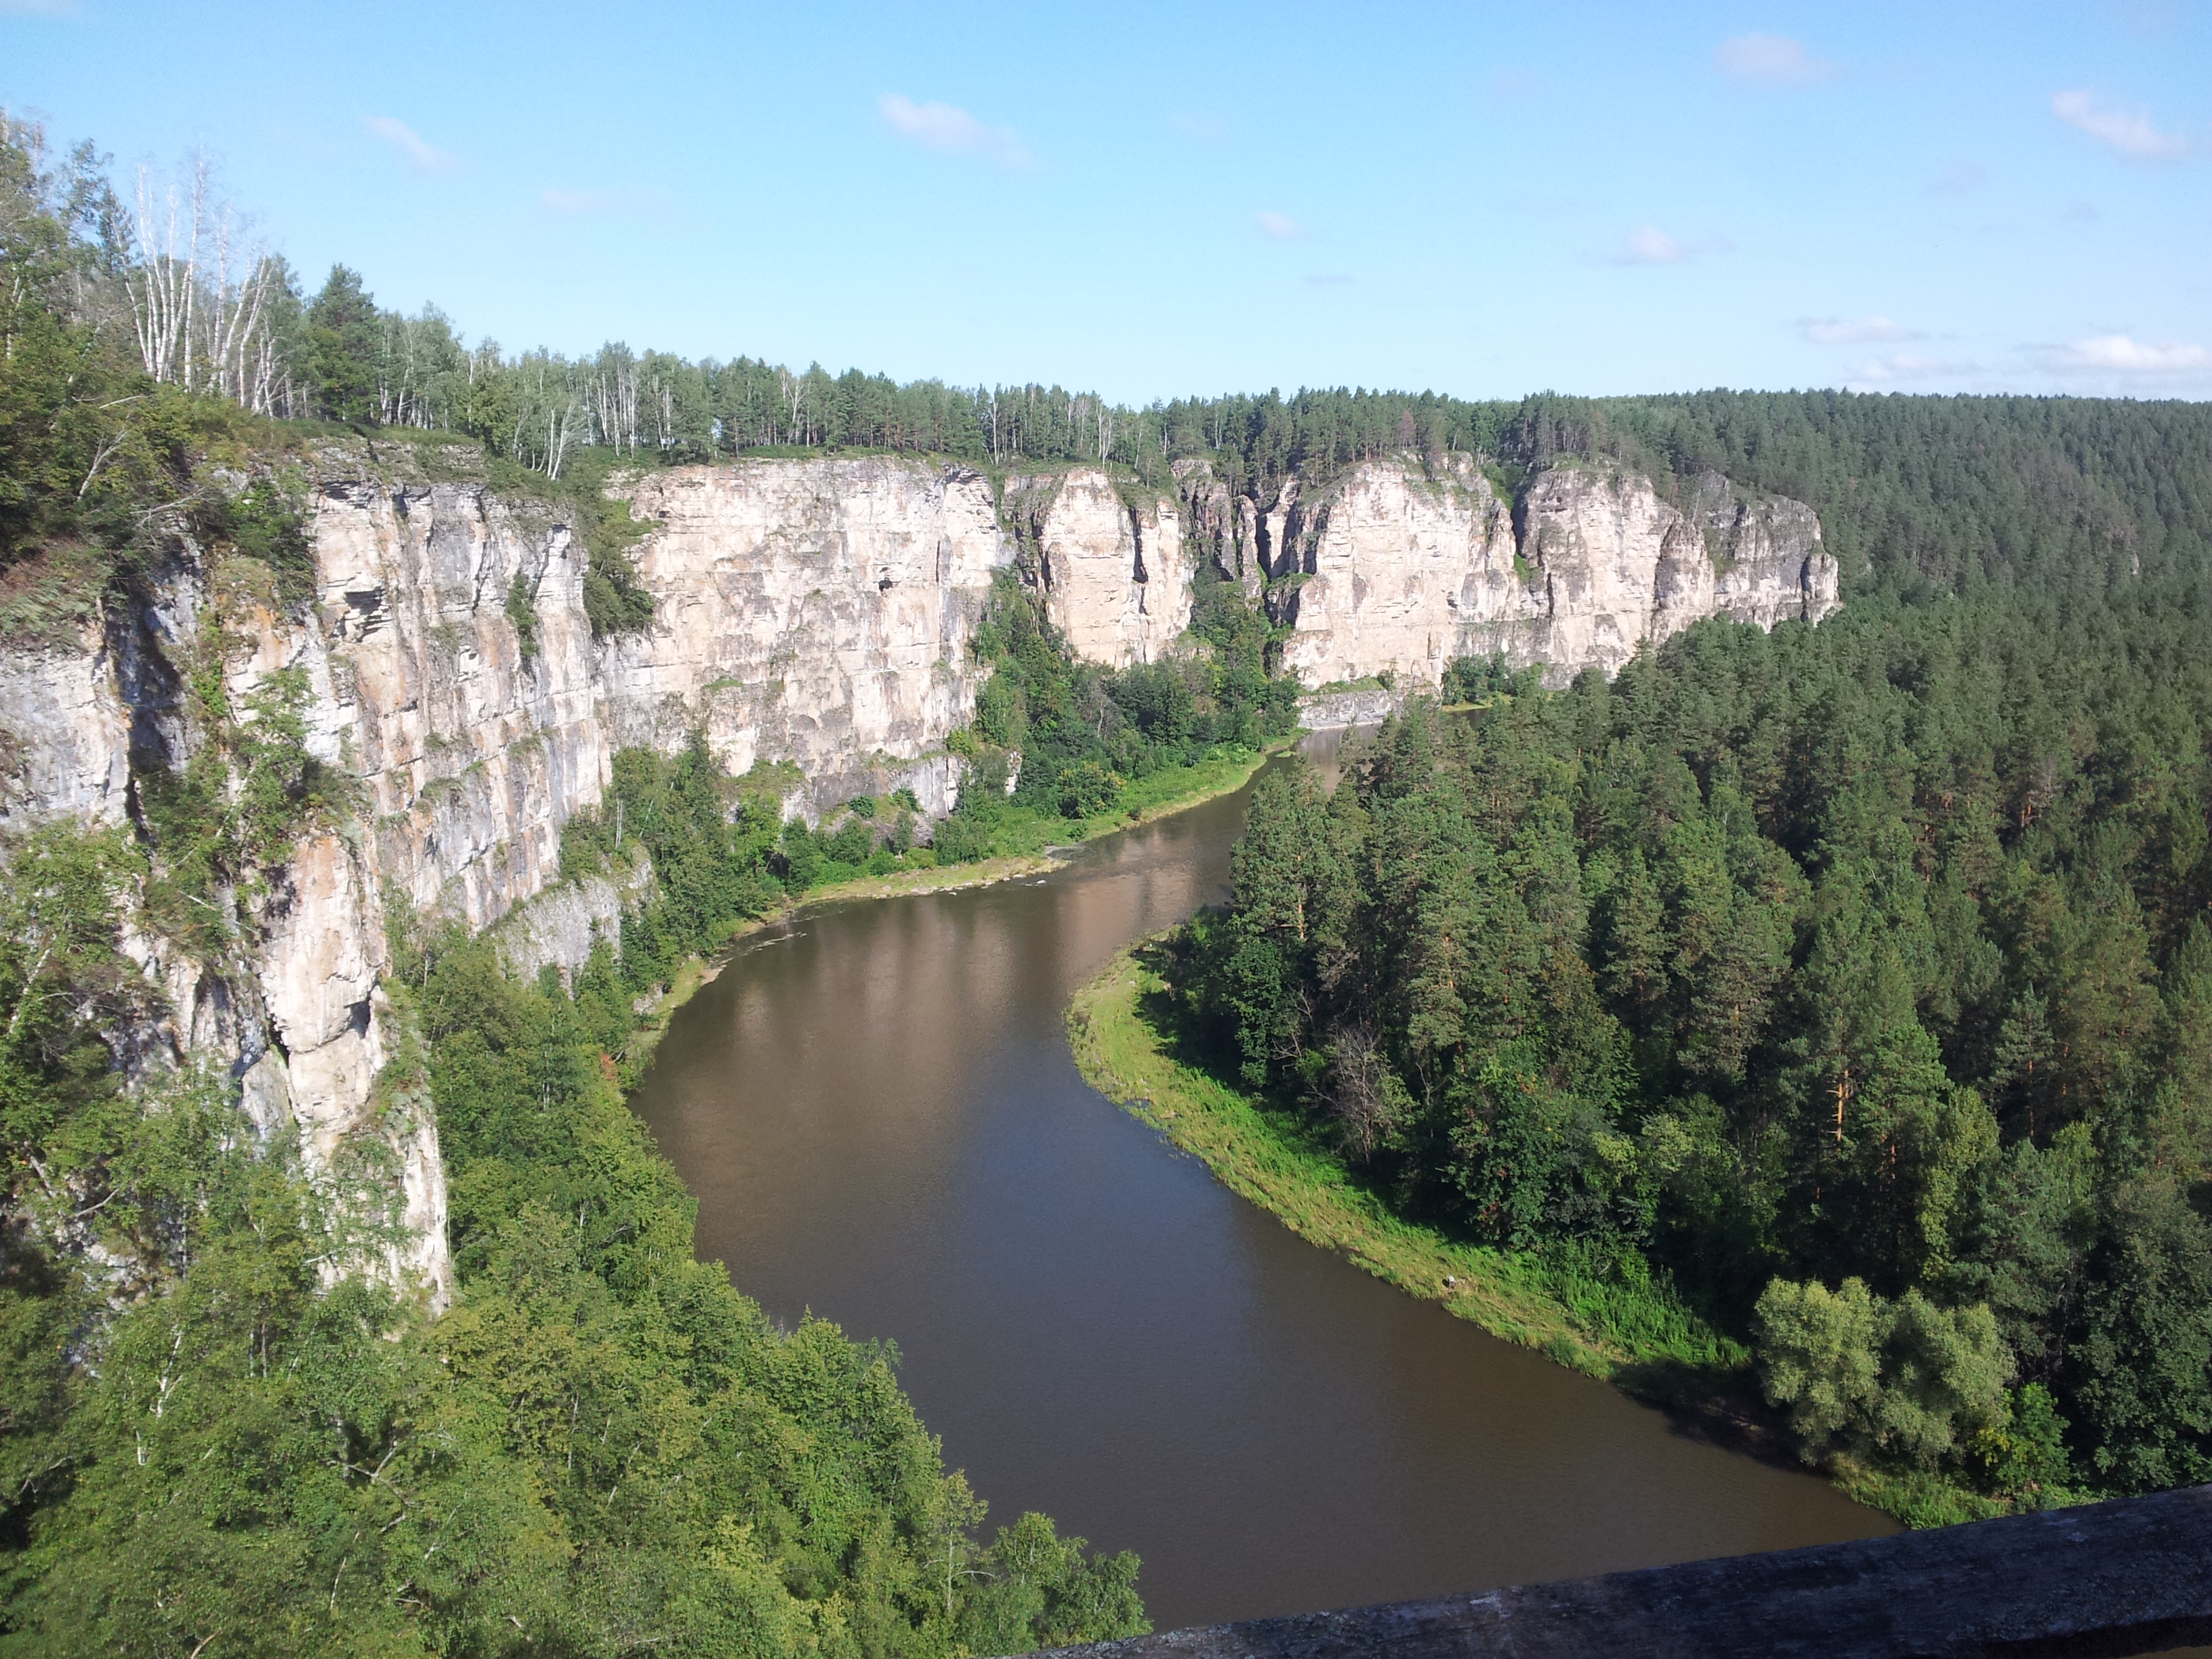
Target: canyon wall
(816,612)
(1109,560)
(1395,568)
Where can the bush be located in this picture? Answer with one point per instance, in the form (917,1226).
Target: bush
(1907,1377)
(1087,788)
(961,841)
(852,843)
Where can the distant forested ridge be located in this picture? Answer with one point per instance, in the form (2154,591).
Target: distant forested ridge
(117,298)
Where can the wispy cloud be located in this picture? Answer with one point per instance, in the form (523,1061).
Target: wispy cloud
(1196,124)
(595,201)
(1773,60)
(426,156)
(1854,330)
(951,130)
(2116,356)
(1280,227)
(1906,366)
(2130,131)
(1646,245)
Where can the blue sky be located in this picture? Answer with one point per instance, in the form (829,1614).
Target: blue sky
(1154,200)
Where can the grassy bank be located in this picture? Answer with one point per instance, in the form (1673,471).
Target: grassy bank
(1119,1026)
(1046,842)
(1122,1027)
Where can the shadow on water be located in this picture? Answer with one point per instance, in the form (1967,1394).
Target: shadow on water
(877,1110)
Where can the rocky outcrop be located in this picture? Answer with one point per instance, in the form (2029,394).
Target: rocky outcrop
(65,733)
(1112,566)
(1396,568)
(1373,572)
(817,613)
(813,611)
(813,615)
(1338,711)
(559,927)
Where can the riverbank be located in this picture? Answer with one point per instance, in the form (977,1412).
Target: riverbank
(1162,795)
(1119,1030)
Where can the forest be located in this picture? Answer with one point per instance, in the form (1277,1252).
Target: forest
(223,1428)
(1848,988)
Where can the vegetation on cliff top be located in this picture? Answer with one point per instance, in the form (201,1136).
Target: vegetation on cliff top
(1837,994)
(1913,493)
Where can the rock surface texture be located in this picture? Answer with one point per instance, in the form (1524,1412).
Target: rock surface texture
(1397,567)
(816,612)
(819,613)
(1112,566)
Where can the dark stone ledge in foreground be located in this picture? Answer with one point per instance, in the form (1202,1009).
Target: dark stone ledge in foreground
(2133,1576)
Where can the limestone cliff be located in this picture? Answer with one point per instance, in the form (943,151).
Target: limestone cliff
(1114,575)
(819,613)
(816,612)
(812,611)
(1396,568)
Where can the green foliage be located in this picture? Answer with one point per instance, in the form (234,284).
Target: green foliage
(343,336)
(237,1441)
(1086,738)
(265,521)
(1866,954)
(2022,1452)
(1478,680)
(238,806)
(1904,1376)
(522,614)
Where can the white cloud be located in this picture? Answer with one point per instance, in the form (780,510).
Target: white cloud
(1197,125)
(1774,60)
(426,156)
(1854,330)
(1280,226)
(593,200)
(1646,245)
(2117,355)
(1904,366)
(2127,130)
(952,130)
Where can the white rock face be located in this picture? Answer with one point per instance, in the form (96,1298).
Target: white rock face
(815,611)
(558,928)
(474,751)
(1115,576)
(65,733)
(1380,566)
(820,612)
(1397,569)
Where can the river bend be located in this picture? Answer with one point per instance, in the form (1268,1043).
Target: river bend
(875,1107)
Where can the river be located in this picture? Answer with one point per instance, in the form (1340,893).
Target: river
(877,1110)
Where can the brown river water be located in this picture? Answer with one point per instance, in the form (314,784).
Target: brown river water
(875,1107)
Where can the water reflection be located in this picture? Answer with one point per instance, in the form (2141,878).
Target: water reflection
(882,1124)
